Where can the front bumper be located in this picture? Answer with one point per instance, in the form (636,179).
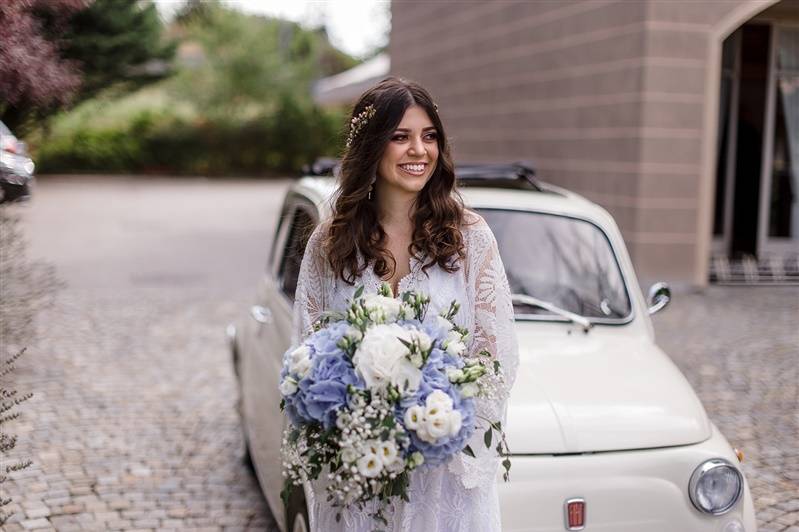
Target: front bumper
(15,169)
(624,491)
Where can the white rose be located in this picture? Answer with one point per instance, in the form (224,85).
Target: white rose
(288,386)
(469,389)
(413,417)
(382,359)
(455,348)
(438,398)
(369,465)
(388,452)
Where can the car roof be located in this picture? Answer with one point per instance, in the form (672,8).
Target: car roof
(551,199)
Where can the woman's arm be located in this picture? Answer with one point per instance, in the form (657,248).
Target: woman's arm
(494,331)
(309,298)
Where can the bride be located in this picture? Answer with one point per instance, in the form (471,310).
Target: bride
(397,217)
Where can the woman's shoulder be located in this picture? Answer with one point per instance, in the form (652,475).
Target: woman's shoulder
(474,223)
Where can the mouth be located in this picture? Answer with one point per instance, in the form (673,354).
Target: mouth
(414,169)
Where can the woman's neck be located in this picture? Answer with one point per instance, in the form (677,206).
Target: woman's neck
(396,209)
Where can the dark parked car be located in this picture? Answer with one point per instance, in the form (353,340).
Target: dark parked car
(16,167)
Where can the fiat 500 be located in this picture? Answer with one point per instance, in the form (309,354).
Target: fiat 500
(605,432)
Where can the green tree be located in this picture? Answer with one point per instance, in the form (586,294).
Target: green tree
(90,45)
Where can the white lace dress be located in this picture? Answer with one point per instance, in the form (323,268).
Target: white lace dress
(460,495)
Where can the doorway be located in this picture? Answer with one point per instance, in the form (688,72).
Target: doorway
(756,219)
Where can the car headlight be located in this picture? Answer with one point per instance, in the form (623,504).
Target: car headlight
(715,486)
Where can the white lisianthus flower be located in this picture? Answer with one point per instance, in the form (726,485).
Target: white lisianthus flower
(437,397)
(381,359)
(288,386)
(417,459)
(456,348)
(416,360)
(443,322)
(469,389)
(382,308)
(453,336)
(369,465)
(300,361)
(438,423)
(406,311)
(348,455)
(353,333)
(413,417)
(422,339)
(388,452)
(455,422)
(454,375)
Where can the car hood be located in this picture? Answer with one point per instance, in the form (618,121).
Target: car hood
(599,392)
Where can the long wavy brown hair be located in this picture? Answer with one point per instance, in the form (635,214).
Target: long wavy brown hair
(438,209)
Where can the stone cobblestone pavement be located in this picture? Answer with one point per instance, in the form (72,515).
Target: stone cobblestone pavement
(133,427)
(739,349)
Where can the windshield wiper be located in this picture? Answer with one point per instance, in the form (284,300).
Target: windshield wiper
(524,299)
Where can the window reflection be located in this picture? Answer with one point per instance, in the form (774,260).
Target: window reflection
(565,261)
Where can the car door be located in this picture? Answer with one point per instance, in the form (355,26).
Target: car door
(270,323)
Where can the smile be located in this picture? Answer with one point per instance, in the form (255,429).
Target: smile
(413,169)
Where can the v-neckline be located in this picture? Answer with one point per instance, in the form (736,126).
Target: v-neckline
(411,267)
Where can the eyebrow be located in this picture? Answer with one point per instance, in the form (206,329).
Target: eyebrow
(406,130)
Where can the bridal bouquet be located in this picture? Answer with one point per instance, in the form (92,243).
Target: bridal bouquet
(380,391)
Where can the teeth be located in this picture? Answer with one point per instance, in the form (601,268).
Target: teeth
(413,167)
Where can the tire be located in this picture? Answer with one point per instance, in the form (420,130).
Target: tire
(14,192)
(297,512)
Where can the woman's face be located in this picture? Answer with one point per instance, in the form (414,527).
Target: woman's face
(410,155)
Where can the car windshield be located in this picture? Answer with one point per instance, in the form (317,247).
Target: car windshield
(564,261)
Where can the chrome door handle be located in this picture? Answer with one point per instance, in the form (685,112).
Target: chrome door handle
(261,314)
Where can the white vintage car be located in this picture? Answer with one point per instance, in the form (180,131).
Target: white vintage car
(605,432)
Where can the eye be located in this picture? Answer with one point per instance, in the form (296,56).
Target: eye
(432,135)
(398,137)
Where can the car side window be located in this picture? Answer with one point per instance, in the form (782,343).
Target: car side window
(302,225)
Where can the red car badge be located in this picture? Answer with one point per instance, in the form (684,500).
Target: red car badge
(574,510)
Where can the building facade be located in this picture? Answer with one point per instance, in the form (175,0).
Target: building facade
(679,117)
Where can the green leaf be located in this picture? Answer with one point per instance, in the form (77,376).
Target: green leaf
(468,450)
(358,292)
(487,437)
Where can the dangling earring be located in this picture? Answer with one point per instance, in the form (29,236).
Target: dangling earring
(371,186)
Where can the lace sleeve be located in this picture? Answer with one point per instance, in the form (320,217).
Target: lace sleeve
(310,297)
(493,330)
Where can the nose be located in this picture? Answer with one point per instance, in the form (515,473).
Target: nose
(416,147)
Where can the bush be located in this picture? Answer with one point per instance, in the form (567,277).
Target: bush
(280,142)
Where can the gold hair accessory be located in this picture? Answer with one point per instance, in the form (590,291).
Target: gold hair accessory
(435,106)
(357,123)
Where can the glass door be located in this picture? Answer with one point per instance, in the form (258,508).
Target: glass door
(778,227)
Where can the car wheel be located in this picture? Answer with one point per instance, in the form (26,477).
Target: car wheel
(297,512)
(14,193)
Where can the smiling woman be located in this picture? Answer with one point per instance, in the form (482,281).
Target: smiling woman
(395,188)
(397,217)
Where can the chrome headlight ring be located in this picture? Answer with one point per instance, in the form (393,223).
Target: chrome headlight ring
(712,472)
